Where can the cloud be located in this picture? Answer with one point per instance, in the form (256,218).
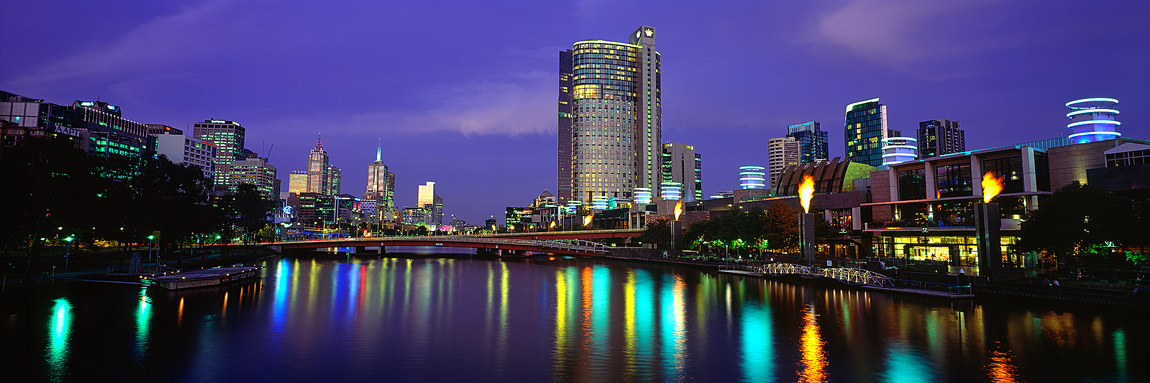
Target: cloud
(901,31)
(512,105)
(167,40)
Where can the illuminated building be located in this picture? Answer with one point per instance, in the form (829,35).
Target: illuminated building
(752,177)
(813,142)
(613,92)
(642,195)
(898,149)
(781,152)
(297,182)
(683,166)
(179,149)
(832,176)
(923,210)
(322,176)
(228,137)
(23,117)
(257,172)
(670,191)
(866,127)
(1092,119)
(431,202)
(378,188)
(938,137)
(414,215)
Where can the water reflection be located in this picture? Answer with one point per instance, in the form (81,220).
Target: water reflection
(1001,368)
(143,322)
(59,334)
(814,360)
(674,327)
(758,346)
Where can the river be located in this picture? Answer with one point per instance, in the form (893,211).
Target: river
(549,319)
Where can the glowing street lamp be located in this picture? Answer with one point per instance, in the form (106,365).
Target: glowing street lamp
(68,252)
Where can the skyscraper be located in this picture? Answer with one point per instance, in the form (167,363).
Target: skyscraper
(683,166)
(297,182)
(318,169)
(812,141)
(334,176)
(565,118)
(616,117)
(431,202)
(377,187)
(781,152)
(257,172)
(228,137)
(939,137)
(866,127)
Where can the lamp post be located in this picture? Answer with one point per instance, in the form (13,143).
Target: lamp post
(150,238)
(68,252)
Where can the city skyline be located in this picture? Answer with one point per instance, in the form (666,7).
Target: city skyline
(1005,67)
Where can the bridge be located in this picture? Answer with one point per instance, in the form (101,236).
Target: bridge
(497,245)
(848,275)
(574,234)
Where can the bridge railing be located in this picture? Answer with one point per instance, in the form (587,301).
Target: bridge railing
(580,245)
(845,274)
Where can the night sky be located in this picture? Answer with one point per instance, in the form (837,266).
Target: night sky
(464,93)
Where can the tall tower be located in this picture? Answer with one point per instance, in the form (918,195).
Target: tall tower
(813,143)
(377,176)
(616,123)
(683,166)
(566,104)
(431,203)
(1092,119)
(939,137)
(318,169)
(228,137)
(866,128)
(781,152)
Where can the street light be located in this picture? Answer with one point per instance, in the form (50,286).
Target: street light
(68,252)
(150,238)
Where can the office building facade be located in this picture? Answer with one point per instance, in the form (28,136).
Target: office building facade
(615,119)
(939,137)
(297,182)
(431,202)
(257,172)
(813,142)
(179,148)
(866,127)
(682,165)
(781,152)
(228,137)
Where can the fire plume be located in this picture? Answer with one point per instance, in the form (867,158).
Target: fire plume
(587,220)
(552,226)
(678,210)
(991,186)
(806,191)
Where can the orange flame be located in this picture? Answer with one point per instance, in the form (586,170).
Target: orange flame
(678,210)
(991,186)
(806,191)
(587,220)
(552,226)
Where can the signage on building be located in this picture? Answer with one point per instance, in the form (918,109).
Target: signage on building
(69,131)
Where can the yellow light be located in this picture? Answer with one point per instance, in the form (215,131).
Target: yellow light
(991,186)
(678,210)
(806,191)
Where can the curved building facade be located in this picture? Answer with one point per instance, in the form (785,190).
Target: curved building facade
(899,149)
(1092,119)
(752,177)
(614,111)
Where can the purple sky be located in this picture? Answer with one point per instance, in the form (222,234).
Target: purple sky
(464,93)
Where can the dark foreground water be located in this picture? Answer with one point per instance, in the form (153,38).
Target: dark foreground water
(394,319)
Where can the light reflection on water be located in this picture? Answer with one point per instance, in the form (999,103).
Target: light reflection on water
(461,319)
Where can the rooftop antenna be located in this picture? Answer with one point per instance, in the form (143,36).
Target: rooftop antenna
(379,151)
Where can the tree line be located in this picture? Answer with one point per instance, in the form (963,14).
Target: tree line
(55,191)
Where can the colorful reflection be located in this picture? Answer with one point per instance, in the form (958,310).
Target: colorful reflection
(143,322)
(906,365)
(674,323)
(758,346)
(1001,368)
(814,359)
(59,334)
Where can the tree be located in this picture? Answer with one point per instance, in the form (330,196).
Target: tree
(1074,219)
(657,233)
(782,224)
(251,210)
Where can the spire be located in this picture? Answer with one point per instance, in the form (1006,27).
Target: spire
(379,151)
(319,141)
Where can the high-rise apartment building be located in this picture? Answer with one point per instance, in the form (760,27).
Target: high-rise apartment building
(566,116)
(683,166)
(781,152)
(334,180)
(257,172)
(431,202)
(615,118)
(297,181)
(813,143)
(228,137)
(179,148)
(939,137)
(866,127)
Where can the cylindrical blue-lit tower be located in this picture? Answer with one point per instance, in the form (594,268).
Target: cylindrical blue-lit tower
(899,149)
(672,191)
(1092,119)
(642,195)
(752,177)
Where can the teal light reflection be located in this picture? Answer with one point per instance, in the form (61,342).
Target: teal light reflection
(143,323)
(906,365)
(758,346)
(600,310)
(1120,352)
(59,333)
